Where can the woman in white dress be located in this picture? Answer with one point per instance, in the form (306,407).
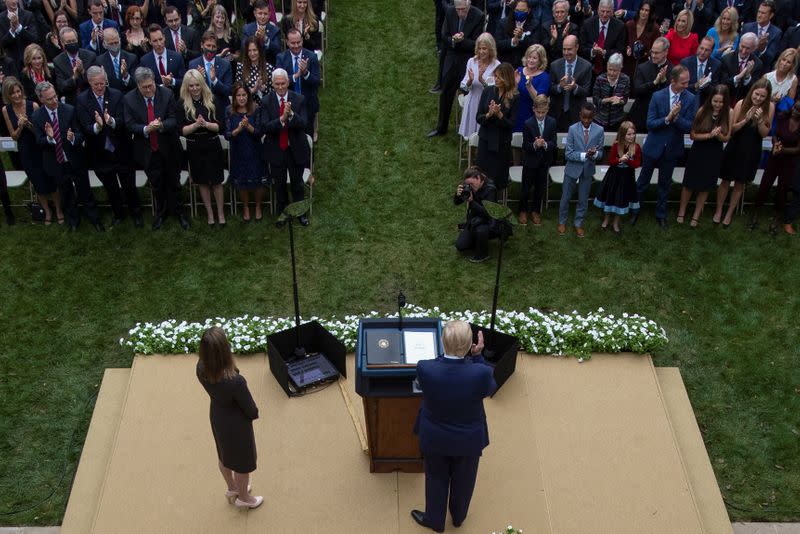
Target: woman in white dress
(479,74)
(783,79)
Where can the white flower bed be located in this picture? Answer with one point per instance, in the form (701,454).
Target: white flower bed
(538,332)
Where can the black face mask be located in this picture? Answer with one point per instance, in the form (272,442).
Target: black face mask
(72,48)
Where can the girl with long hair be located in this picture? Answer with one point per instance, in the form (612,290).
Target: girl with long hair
(618,191)
(227,41)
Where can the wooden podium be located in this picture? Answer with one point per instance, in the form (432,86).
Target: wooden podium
(390,403)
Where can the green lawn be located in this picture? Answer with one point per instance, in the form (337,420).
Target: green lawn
(382,221)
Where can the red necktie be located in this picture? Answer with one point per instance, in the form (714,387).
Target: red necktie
(601,42)
(151,116)
(177,39)
(601,38)
(161,70)
(283,139)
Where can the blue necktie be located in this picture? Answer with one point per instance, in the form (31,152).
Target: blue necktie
(115,59)
(297,88)
(208,73)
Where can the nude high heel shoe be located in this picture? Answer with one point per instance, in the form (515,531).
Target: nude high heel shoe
(258,502)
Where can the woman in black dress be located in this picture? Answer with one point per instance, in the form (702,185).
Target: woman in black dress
(254,71)
(134,38)
(497,114)
(199,123)
(17,114)
(752,119)
(232,413)
(710,129)
(248,169)
(228,42)
(303,18)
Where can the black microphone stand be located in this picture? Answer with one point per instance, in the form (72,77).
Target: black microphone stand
(295,209)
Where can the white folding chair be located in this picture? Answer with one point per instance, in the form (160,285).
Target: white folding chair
(15,178)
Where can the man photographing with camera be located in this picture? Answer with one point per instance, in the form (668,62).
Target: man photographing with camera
(478,227)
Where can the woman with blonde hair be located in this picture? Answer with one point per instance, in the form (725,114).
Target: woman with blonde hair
(199,123)
(725,33)
(228,42)
(783,79)
(303,18)
(532,79)
(232,413)
(497,114)
(682,42)
(479,74)
(35,70)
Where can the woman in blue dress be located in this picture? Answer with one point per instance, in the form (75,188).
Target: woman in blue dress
(17,114)
(532,79)
(248,169)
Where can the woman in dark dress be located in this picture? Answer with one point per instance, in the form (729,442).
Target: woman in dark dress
(232,413)
(618,191)
(199,123)
(17,114)
(710,129)
(51,43)
(253,71)
(134,38)
(248,169)
(228,42)
(781,165)
(35,70)
(304,19)
(752,119)
(497,114)
(642,31)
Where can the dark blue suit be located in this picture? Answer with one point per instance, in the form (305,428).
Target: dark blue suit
(770,53)
(712,68)
(86,28)
(173,66)
(272,40)
(308,86)
(222,88)
(664,143)
(452,431)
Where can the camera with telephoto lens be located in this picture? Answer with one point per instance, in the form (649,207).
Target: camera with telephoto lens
(466,191)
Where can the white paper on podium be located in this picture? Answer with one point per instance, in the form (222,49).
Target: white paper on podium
(419,346)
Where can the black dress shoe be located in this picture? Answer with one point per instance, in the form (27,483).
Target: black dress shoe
(434,133)
(303,220)
(419,517)
(435,90)
(662,223)
(634,218)
(157,222)
(138,221)
(184,222)
(99,227)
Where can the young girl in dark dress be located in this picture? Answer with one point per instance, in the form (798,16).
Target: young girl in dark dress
(248,169)
(710,129)
(199,123)
(232,413)
(752,119)
(618,191)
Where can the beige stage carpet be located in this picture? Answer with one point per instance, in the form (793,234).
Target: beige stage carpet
(575,448)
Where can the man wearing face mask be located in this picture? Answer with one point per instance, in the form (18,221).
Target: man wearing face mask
(519,31)
(70,66)
(118,64)
(216,71)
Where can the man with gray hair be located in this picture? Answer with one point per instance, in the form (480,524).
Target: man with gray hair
(149,114)
(553,37)
(108,144)
(601,36)
(651,76)
(282,118)
(70,66)
(59,136)
(740,70)
(119,64)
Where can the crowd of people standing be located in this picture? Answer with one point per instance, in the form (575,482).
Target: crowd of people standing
(155,85)
(722,72)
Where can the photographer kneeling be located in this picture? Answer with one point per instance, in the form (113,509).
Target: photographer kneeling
(479,226)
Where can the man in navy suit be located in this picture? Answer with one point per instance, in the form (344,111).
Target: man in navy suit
(108,144)
(217,72)
(92,29)
(669,117)
(59,136)
(282,118)
(451,425)
(167,65)
(539,149)
(267,33)
(703,70)
(118,64)
(769,35)
(303,66)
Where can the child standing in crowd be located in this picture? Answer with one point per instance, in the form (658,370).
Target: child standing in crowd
(618,191)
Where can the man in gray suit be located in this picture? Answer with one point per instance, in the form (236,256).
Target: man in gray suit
(570,84)
(584,148)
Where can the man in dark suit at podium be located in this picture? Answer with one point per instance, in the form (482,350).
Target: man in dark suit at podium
(451,425)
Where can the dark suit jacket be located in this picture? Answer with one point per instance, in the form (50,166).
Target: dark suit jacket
(730,68)
(773,49)
(451,419)
(86,28)
(174,66)
(98,157)
(534,156)
(666,140)
(712,67)
(272,39)
(310,84)
(67,120)
(530,35)
(497,132)
(745,9)
(269,122)
(631,7)
(616,37)
(135,114)
(583,77)
(222,88)
(555,49)
(643,88)
(104,60)
(66,85)
(189,36)
(14,45)
(791,38)
(456,54)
